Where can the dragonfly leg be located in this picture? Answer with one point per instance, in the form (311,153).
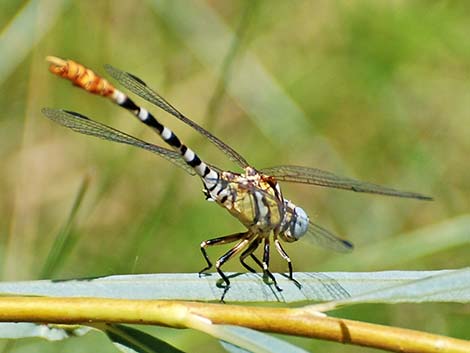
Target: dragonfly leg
(227,256)
(217,241)
(265,264)
(249,252)
(258,262)
(286,257)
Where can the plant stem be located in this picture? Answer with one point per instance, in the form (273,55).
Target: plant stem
(178,314)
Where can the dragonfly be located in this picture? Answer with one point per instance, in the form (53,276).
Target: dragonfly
(253,196)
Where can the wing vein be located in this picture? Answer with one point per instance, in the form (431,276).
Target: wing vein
(84,125)
(140,88)
(314,176)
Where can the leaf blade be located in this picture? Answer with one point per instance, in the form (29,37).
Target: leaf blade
(131,340)
(316,286)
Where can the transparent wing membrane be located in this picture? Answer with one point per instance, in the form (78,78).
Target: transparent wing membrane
(320,177)
(86,126)
(140,88)
(324,238)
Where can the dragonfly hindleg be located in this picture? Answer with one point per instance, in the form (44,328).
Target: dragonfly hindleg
(218,241)
(249,252)
(229,254)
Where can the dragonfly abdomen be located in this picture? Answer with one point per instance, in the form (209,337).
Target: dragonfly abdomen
(93,83)
(209,175)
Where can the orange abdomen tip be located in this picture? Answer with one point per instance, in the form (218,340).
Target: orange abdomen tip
(80,76)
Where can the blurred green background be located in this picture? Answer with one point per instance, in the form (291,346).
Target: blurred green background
(376,91)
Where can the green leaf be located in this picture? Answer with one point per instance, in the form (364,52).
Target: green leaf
(250,287)
(126,339)
(443,286)
(260,342)
(131,340)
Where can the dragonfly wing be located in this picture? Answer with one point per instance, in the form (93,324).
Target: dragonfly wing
(324,238)
(87,126)
(140,88)
(320,177)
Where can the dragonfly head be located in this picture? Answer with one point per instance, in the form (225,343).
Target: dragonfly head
(297,225)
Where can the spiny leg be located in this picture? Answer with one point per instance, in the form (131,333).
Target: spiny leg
(227,256)
(265,264)
(286,257)
(249,252)
(258,262)
(217,241)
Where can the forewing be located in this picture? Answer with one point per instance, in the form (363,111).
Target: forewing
(87,126)
(324,238)
(320,177)
(140,88)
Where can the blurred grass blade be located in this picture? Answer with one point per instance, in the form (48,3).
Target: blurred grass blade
(265,342)
(204,31)
(64,239)
(131,340)
(249,12)
(250,287)
(9,330)
(28,27)
(397,250)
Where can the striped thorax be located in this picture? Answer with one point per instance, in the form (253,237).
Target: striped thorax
(253,198)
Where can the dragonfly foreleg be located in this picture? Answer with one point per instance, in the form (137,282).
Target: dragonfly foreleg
(217,241)
(286,257)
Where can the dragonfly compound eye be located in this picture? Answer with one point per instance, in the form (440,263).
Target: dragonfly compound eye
(299,223)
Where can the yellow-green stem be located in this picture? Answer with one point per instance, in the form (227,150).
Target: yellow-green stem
(297,321)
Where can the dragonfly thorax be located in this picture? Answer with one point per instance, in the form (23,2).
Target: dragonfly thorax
(254,199)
